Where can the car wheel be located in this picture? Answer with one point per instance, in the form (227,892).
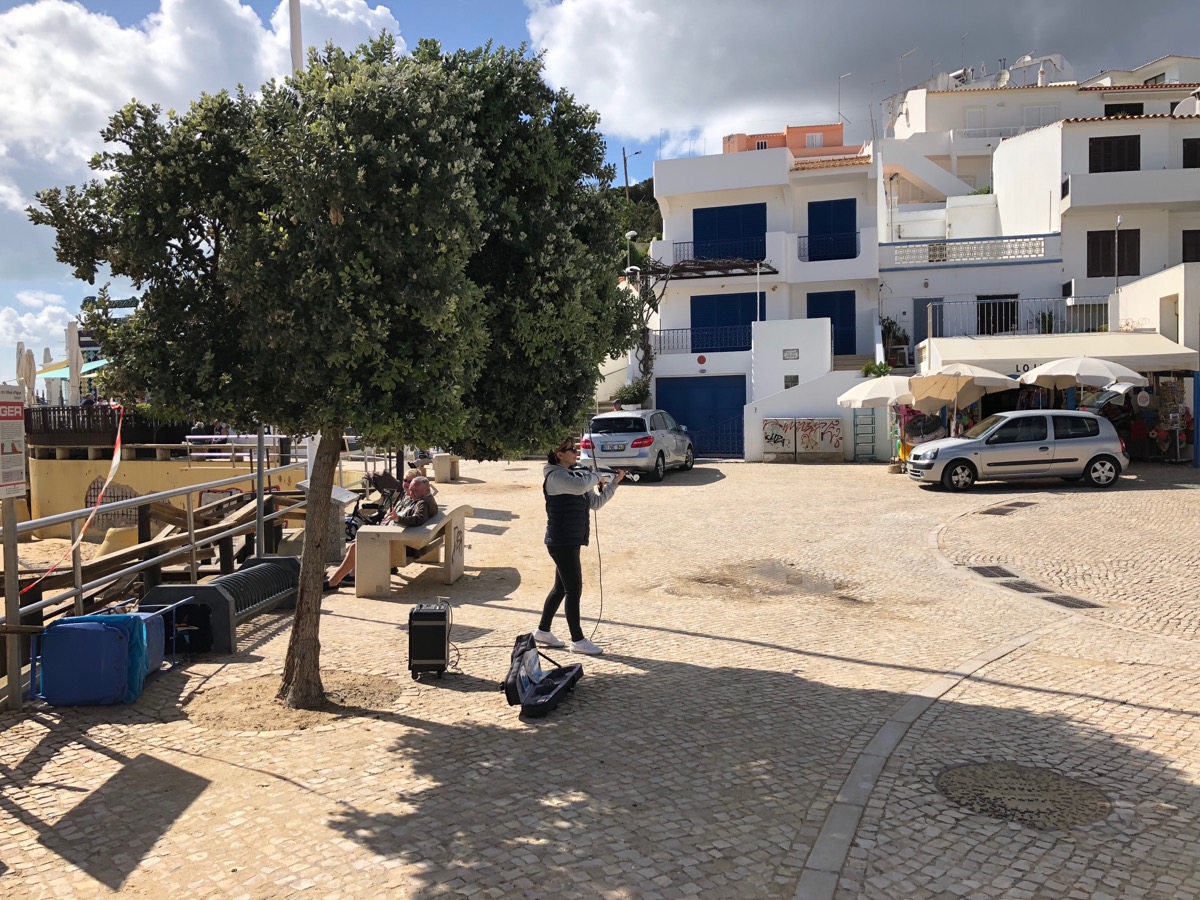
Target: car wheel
(689,459)
(1102,472)
(660,469)
(958,475)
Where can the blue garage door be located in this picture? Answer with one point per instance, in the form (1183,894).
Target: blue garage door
(711,408)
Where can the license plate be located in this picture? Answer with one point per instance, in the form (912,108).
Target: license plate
(609,448)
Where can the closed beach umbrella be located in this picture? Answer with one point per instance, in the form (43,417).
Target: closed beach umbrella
(1084,370)
(53,386)
(27,377)
(74,363)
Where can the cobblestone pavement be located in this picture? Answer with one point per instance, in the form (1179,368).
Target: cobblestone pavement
(794,655)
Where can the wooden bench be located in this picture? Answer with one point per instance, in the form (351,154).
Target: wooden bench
(380,547)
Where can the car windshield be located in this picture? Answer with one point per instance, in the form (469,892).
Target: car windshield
(1097,399)
(618,425)
(983,427)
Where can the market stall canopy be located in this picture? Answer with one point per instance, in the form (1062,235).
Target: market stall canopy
(1142,351)
(876,392)
(1081,370)
(958,384)
(65,372)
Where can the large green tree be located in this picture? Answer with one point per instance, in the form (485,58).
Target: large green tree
(552,251)
(370,244)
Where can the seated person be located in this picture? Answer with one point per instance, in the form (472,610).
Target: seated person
(417,508)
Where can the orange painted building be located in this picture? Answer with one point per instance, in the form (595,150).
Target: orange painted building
(804,141)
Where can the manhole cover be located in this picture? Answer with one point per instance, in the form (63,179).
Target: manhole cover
(1021,504)
(1071,602)
(993,572)
(1039,798)
(1025,587)
(996,511)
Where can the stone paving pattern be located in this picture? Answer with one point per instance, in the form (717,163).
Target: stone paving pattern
(761,625)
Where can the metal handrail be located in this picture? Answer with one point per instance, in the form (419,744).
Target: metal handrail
(821,247)
(134,502)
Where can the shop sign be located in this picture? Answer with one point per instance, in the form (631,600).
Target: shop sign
(12,443)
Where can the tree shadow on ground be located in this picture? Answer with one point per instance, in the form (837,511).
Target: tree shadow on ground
(668,774)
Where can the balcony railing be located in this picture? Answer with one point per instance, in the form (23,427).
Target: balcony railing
(1050,315)
(80,426)
(1006,132)
(970,250)
(722,339)
(818,247)
(736,248)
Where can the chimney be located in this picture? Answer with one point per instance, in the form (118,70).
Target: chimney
(1042,75)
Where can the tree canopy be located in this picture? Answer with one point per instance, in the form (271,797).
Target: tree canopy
(422,248)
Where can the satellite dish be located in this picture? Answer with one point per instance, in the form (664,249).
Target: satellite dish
(1002,77)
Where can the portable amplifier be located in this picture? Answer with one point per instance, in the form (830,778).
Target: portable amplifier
(428,639)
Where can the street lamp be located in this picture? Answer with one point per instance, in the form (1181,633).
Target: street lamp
(840,116)
(629,236)
(625,161)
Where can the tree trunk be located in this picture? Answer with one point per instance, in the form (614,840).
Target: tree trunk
(301,687)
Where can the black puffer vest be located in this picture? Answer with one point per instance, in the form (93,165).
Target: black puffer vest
(567,520)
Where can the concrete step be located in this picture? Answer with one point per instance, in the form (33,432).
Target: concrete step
(850,363)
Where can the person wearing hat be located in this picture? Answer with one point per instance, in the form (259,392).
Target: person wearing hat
(570,497)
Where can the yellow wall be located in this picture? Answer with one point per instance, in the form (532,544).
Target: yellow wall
(60,485)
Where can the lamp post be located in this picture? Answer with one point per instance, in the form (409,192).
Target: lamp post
(629,236)
(840,116)
(625,162)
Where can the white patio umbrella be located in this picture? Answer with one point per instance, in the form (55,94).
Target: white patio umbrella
(958,384)
(877,392)
(1082,370)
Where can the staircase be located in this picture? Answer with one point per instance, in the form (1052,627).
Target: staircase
(850,363)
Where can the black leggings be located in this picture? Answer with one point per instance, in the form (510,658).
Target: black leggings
(568,582)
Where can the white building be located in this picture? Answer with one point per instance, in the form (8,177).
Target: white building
(780,266)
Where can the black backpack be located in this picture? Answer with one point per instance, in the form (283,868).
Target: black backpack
(527,684)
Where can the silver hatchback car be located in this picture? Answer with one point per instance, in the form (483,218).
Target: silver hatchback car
(640,440)
(1024,444)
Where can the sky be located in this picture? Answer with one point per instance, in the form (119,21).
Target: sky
(669,77)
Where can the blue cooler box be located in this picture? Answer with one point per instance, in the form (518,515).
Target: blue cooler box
(156,641)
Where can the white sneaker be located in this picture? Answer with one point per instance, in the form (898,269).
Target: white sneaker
(546,638)
(585,646)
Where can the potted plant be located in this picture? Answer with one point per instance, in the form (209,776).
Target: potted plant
(633,395)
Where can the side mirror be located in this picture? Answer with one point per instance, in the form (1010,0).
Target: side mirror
(683,428)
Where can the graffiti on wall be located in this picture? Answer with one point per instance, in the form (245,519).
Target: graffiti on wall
(818,435)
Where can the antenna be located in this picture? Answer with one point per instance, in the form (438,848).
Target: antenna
(842,118)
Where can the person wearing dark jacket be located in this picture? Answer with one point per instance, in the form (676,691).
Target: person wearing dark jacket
(570,497)
(417,508)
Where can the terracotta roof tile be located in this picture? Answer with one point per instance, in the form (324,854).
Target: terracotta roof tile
(832,163)
(1125,118)
(1164,86)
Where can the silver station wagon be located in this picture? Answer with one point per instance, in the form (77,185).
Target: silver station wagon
(641,440)
(1025,444)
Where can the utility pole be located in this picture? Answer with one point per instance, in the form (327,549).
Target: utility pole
(625,161)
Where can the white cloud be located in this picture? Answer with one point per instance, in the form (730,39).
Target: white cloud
(38,299)
(691,71)
(66,70)
(38,330)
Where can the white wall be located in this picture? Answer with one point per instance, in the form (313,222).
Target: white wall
(810,338)
(816,399)
(1027,174)
(972,216)
(722,172)
(1152,223)
(1140,302)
